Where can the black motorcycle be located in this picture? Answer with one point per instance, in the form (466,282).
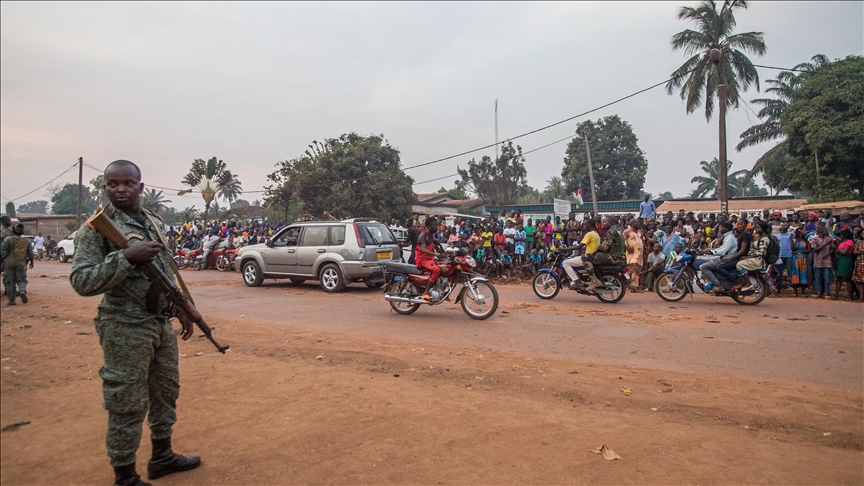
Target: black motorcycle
(549,280)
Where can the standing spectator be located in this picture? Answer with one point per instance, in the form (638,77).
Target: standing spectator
(39,246)
(647,210)
(519,239)
(413,238)
(529,230)
(799,273)
(499,240)
(844,263)
(633,240)
(858,270)
(572,228)
(784,239)
(509,234)
(656,264)
(822,264)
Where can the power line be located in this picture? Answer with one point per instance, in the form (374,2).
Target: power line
(554,124)
(43,185)
(436,179)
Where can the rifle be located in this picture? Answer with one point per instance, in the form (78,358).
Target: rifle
(103,224)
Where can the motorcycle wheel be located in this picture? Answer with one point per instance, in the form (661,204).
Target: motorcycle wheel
(666,291)
(222,264)
(545,286)
(759,293)
(478,307)
(403,289)
(180,262)
(196,265)
(616,293)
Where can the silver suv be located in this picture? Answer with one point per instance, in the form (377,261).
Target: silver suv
(333,252)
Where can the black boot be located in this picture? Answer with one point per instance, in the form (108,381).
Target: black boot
(165,461)
(126,476)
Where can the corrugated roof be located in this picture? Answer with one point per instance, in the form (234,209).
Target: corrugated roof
(840,205)
(734,205)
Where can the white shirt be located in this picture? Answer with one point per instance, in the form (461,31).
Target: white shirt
(38,243)
(509,233)
(208,241)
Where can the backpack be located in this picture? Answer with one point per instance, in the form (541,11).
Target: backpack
(773,251)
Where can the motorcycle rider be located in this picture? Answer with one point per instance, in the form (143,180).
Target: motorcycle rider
(425,255)
(611,251)
(590,243)
(727,248)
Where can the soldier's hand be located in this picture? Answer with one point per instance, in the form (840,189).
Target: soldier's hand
(143,252)
(188,328)
(31,264)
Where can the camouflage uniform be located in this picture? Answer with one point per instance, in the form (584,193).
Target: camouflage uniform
(6,233)
(611,251)
(15,251)
(140,373)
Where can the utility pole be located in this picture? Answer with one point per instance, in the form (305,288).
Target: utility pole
(716,56)
(590,171)
(496,129)
(80,188)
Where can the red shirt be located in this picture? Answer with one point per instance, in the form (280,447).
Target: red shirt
(499,239)
(427,240)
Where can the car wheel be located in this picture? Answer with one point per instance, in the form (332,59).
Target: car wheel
(331,278)
(252,275)
(61,255)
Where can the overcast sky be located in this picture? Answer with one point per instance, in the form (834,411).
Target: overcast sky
(162,84)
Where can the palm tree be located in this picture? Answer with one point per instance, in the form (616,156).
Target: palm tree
(153,201)
(555,188)
(783,87)
(715,49)
(212,179)
(708,184)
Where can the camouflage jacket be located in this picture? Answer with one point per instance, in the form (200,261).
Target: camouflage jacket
(613,244)
(99,267)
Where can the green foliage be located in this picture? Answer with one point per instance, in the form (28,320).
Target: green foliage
(34,207)
(212,179)
(10,209)
(349,176)
(100,197)
(154,201)
(531,195)
(618,162)
(697,79)
(65,200)
(825,118)
(665,196)
(455,192)
(497,182)
(707,185)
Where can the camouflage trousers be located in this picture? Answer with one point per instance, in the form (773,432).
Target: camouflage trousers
(140,378)
(14,277)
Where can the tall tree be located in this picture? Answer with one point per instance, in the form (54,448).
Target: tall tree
(618,163)
(65,200)
(10,209)
(825,119)
(556,189)
(34,207)
(213,179)
(100,197)
(497,182)
(154,201)
(346,176)
(770,129)
(714,49)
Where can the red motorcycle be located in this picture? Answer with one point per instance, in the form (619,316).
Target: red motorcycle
(225,261)
(405,284)
(188,258)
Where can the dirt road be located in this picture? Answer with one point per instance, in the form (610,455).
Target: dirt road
(335,389)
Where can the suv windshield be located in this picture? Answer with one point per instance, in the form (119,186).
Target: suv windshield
(375,234)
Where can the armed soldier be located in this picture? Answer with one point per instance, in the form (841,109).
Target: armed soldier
(6,232)
(16,251)
(611,251)
(140,376)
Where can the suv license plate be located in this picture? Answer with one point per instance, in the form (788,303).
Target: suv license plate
(385,255)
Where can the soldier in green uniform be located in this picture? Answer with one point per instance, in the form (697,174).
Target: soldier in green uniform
(6,221)
(611,251)
(140,376)
(16,251)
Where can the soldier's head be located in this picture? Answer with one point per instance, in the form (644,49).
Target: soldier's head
(123,184)
(6,221)
(18,229)
(610,221)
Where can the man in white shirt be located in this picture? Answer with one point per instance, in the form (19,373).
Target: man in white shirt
(207,244)
(39,246)
(727,248)
(510,234)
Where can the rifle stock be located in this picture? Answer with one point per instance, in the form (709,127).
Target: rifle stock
(102,223)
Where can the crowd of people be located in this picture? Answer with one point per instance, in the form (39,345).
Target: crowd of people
(811,252)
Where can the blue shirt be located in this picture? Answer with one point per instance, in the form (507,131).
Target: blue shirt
(785,240)
(669,244)
(647,209)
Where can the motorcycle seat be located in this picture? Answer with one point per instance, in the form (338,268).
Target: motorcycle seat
(396,267)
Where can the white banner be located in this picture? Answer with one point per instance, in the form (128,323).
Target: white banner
(562,208)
